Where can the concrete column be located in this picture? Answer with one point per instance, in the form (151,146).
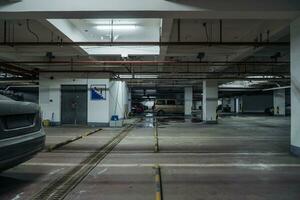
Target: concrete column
(279,102)
(129,101)
(237,105)
(188,101)
(295,87)
(210,101)
(232,104)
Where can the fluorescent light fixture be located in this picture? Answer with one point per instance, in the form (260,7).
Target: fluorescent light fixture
(146,76)
(127,76)
(116,27)
(108,21)
(263,77)
(242,84)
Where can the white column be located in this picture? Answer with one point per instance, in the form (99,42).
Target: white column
(279,102)
(129,101)
(237,105)
(210,101)
(188,101)
(295,84)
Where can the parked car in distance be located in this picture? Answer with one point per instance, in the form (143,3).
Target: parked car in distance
(271,110)
(137,108)
(21,132)
(168,106)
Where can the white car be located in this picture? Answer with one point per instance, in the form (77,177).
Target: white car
(168,106)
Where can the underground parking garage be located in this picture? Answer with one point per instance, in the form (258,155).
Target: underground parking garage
(135,100)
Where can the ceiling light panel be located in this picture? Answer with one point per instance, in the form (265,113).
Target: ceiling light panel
(116,30)
(116,27)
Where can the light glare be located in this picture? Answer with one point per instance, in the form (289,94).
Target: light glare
(117,27)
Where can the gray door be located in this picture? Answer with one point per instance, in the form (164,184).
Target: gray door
(74,104)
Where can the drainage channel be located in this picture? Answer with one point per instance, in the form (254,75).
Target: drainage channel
(58,145)
(62,186)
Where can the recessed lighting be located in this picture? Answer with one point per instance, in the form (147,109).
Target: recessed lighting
(117,27)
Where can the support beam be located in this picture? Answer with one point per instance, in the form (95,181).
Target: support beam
(237,105)
(146,43)
(210,101)
(129,100)
(232,104)
(153,63)
(295,87)
(188,101)
(166,31)
(218,9)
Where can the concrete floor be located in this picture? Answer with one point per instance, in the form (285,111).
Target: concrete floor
(239,158)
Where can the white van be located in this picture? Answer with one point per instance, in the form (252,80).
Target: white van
(168,106)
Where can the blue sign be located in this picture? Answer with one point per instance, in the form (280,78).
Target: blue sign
(98,92)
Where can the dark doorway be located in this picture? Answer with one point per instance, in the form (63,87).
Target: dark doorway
(74,104)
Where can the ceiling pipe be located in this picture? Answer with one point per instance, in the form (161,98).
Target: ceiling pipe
(30,85)
(97,43)
(15,81)
(277,88)
(167,73)
(89,62)
(207,78)
(10,68)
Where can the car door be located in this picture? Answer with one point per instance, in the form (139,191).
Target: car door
(171,106)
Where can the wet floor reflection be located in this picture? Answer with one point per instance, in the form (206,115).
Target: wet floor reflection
(148,121)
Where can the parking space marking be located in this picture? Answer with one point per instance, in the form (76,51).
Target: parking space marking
(195,165)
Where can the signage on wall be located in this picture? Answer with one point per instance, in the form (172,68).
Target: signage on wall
(98,92)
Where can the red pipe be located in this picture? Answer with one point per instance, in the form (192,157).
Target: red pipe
(88,62)
(192,43)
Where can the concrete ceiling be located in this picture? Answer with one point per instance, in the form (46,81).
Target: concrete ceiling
(206,9)
(246,21)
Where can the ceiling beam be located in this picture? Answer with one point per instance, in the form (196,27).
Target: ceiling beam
(166,31)
(281,73)
(149,63)
(148,43)
(15,70)
(207,78)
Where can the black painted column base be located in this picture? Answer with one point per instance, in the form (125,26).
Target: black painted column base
(211,122)
(295,150)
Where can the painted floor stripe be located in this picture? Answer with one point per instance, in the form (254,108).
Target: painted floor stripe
(197,154)
(209,137)
(169,165)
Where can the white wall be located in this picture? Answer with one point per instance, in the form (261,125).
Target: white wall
(50,95)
